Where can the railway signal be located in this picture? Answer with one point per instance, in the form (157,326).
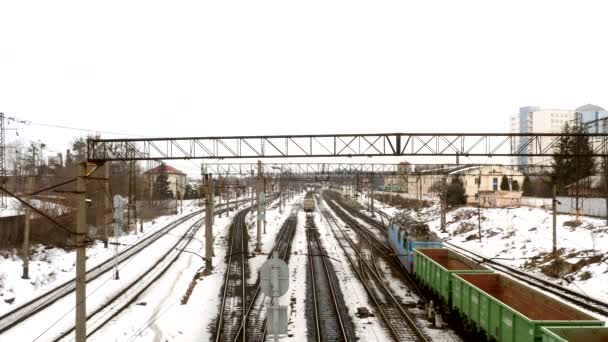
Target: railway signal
(274,282)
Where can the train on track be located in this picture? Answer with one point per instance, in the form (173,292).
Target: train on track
(309,202)
(490,306)
(407,235)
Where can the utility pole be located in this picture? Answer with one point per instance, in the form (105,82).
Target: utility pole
(606,185)
(265,192)
(479,205)
(3,202)
(208,222)
(554,220)
(81,230)
(26,246)
(100,213)
(443,200)
(26,235)
(259,218)
(280,192)
(176,194)
(372,183)
(107,169)
(251,180)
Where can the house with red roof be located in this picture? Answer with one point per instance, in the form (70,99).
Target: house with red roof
(175,177)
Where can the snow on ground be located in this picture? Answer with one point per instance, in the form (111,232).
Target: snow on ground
(274,221)
(163,318)
(523,237)
(158,314)
(49,323)
(397,286)
(50,267)
(367,329)
(13,207)
(517,236)
(297,330)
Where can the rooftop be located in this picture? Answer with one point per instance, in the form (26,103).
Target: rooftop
(168,169)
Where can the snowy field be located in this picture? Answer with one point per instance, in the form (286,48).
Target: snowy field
(523,237)
(13,207)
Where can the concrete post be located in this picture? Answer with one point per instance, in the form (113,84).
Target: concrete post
(107,202)
(258,246)
(26,235)
(208,222)
(221,181)
(251,187)
(26,246)
(81,229)
(265,191)
(554,220)
(372,199)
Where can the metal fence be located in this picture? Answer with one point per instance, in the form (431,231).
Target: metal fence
(589,206)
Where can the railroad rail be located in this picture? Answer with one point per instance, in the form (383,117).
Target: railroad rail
(381,227)
(115,305)
(234,294)
(329,315)
(581,300)
(364,262)
(255,317)
(248,321)
(586,302)
(29,309)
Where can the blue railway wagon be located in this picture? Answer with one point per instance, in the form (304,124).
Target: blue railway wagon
(404,246)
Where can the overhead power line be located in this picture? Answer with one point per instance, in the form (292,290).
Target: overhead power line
(44,124)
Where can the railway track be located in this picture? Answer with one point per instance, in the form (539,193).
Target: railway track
(363,259)
(247,321)
(120,301)
(571,296)
(52,297)
(385,250)
(581,300)
(329,314)
(255,317)
(234,293)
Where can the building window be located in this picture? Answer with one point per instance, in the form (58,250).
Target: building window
(495,184)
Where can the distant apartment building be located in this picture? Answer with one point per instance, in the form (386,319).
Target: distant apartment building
(536,120)
(594,118)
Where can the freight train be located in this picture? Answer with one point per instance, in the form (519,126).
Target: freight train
(406,235)
(492,306)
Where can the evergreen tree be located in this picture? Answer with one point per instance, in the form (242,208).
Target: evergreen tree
(456,194)
(504,183)
(567,168)
(161,184)
(515,185)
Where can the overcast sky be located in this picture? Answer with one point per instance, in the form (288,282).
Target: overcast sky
(196,68)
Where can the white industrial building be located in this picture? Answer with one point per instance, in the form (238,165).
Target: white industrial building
(536,120)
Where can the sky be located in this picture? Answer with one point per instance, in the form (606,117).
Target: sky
(201,68)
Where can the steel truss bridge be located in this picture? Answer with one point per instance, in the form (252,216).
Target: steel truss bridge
(363,169)
(338,145)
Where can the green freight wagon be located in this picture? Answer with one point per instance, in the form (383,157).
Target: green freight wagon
(510,311)
(575,334)
(434,268)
